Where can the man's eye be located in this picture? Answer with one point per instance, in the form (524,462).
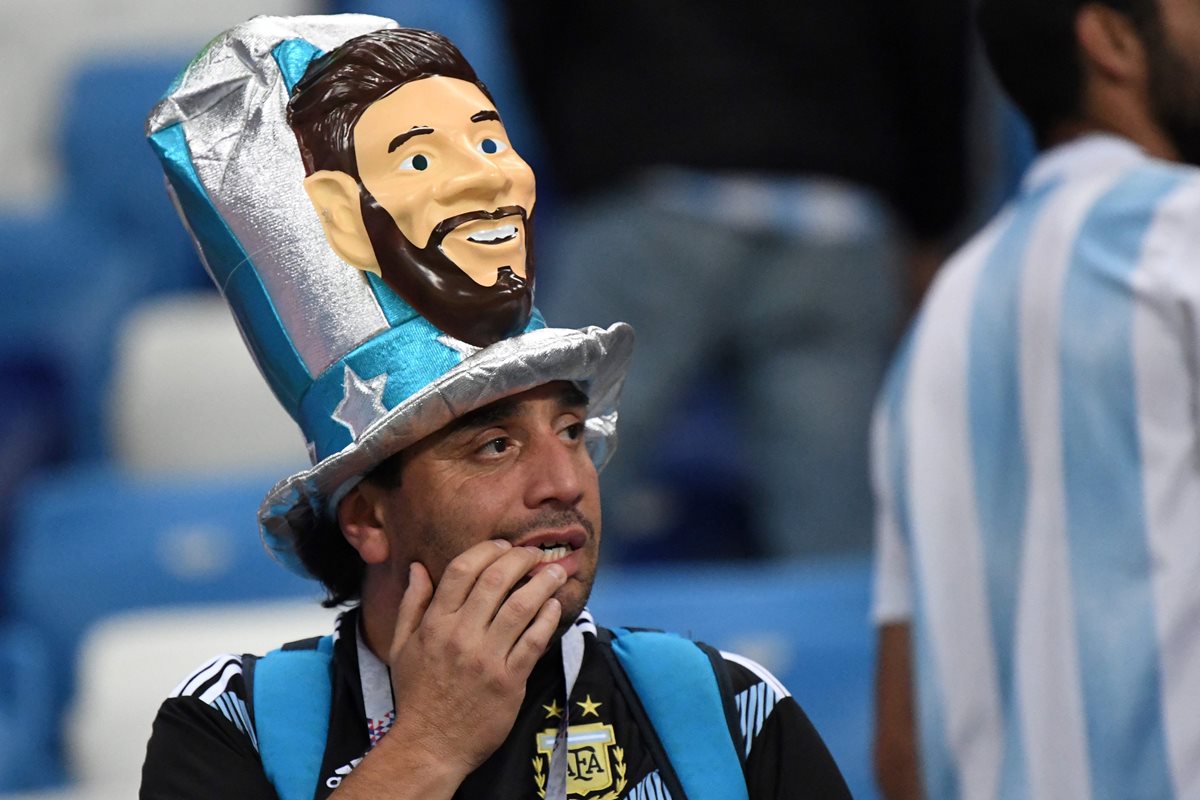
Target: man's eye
(418,162)
(573,432)
(491,146)
(496,446)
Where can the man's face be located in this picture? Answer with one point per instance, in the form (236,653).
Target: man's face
(1173,54)
(517,470)
(434,150)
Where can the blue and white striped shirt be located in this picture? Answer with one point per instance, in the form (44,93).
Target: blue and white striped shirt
(1037,464)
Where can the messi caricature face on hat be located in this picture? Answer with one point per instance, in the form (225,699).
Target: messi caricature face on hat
(353,193)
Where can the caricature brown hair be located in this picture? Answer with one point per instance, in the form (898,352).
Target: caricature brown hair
(339,86)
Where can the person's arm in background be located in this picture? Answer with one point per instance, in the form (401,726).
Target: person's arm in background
(895,747)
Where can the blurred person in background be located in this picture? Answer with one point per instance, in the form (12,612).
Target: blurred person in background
(1037,449)
(751,187)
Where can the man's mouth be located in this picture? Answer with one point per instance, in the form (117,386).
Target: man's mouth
(496,235)
(552,551)
(555,545)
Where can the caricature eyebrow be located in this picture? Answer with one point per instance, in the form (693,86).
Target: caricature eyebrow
(404,137)
(480,116)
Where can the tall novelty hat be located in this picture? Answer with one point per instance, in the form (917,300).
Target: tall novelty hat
(390,140)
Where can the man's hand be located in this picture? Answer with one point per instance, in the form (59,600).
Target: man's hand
(460,658)
(461,655)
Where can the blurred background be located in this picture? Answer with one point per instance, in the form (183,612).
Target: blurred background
(764,194)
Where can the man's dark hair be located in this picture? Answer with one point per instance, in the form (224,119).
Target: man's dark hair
(339,86)
(1033,51)
(331,559)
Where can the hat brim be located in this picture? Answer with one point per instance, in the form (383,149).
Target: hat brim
(593,357)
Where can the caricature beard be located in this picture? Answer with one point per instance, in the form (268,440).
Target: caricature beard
(441,292)
(1174,94)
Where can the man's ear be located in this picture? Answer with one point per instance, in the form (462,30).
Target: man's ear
(334,195)
(361,523)
(1109,44)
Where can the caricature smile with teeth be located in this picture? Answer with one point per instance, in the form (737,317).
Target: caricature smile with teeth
(483,247)
(494,235)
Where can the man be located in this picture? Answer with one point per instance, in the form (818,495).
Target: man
(454,490)
(1037,447)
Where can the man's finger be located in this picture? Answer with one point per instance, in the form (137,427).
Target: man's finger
(458,579)
(496,583)
(520,609)
(413,605)
(533,642)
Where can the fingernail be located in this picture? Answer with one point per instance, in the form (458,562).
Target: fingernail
(503,544)
(557,571)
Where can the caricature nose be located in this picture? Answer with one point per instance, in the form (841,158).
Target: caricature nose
(555,473)
(478,176)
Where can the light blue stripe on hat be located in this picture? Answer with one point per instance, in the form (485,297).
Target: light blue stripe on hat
(293,57)
(234,273)
(1110,561)
(409,355)
(998,456)
(395,310)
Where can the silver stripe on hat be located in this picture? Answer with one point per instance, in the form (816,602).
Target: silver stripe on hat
(232,103)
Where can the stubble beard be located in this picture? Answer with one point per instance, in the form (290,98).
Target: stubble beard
(1174,89)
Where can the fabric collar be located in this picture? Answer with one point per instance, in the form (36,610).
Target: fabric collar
(1094,153)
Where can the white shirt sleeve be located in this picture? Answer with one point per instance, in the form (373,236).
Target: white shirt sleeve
(892,596)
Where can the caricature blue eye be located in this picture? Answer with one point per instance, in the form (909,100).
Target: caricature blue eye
(492,146)
(418,162)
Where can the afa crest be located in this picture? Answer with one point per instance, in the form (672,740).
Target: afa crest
(595,764)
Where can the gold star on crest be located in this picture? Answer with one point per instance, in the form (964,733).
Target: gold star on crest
(553,710)
(589,707)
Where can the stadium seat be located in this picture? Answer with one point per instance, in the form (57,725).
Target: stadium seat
(130,662)
(70,271)
(807,622)
(27,747)
(64,285)
(92,542)
(111,174)
(187,398)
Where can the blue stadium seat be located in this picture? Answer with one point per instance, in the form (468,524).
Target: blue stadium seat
(111,175)
(70,271)
(64,287)
(808,622)
(27,750)
(89,542)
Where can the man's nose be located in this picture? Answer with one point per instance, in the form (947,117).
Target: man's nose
(477,176)
(555,473)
